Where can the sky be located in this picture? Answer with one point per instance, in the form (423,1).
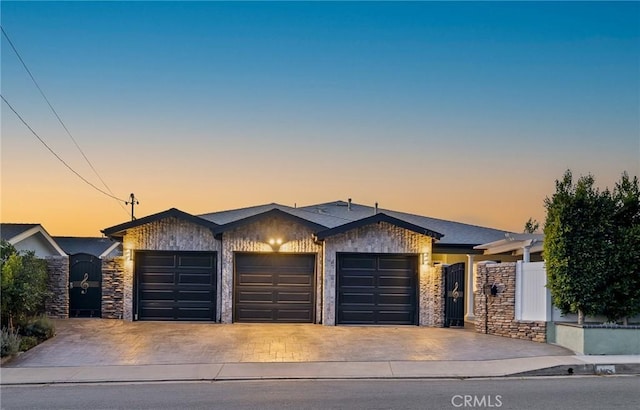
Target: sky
(461,111)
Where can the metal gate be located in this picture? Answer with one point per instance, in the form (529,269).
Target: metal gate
(85,285)
(454,300)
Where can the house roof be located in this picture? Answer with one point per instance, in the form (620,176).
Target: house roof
(233,215)
(326,217)
(9,231)
(118,231)
(379,217)
(99,247)
(15,233)
(266,214)
(454,233)
(513,244)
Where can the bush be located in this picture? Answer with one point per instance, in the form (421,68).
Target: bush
(27,342)
(42,328)
(10,343)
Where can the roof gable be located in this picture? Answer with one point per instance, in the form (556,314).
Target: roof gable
(379,217)
(31,233)
(454,233)
(274,212)
(118,231)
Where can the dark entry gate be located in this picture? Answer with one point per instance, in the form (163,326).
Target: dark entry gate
(85,285)
(454,300)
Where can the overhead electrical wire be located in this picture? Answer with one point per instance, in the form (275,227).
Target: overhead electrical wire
(56,155)
(15,50)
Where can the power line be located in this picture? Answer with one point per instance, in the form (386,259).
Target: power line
(56,155)
(15,50)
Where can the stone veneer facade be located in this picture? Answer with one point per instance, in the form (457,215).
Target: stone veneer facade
(112,287)
(58,284)
(254,237)
(496,314)
(172,234)
(169,234)
(386,238)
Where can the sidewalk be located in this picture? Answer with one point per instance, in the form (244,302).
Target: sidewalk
(528,366)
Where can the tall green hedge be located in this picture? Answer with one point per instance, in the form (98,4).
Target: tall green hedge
(592,247)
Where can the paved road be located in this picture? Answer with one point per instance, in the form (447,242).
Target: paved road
(579,393)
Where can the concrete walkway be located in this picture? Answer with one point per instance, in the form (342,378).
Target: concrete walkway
(99,350)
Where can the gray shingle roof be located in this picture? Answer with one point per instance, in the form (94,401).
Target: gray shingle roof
(11,230)
(336,213)
(93,246)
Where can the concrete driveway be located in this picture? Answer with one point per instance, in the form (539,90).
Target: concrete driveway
(104,342)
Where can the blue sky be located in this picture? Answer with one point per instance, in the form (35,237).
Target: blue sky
(464,111)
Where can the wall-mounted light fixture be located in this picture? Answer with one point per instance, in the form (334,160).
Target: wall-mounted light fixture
(425,258)
(128,255)
(275,244)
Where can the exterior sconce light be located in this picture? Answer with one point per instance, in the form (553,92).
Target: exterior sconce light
(425,258)
(128,254)
(275,244)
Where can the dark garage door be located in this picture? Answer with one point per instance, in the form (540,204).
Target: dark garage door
(274,287)
(377,289)
(176,285)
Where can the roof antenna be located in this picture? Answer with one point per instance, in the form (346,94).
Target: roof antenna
(349,204)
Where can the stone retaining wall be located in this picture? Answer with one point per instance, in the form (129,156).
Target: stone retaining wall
(496,314)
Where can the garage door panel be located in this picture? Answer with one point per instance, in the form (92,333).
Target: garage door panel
(151,261)
(176,285)
(255,279)
(205,261)
(254,297)
(348,298)
(358,281)
(255,315)
(200,278)
(274,287)
(396,281)
(395,264)
(358,263)
(294,297)
(298,315)
(294,280)
(157,277)
(395,299)
(195,295)
(376,289)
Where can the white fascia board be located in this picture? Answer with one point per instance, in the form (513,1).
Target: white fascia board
(109,250)
(33,231)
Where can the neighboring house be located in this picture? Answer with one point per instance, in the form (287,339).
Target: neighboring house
(30,237)
(332,263)
(99,247)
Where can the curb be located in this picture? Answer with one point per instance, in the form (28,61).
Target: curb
(584,370)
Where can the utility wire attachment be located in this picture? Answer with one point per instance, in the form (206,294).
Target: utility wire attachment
(133,202)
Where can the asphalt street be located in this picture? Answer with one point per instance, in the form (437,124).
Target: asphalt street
(619,392)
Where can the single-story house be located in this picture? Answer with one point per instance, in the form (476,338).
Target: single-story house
(332,263)
(30,237)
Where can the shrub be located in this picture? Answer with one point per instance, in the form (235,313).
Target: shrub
(27,342)
(23,283)
(41,327)
(10,343)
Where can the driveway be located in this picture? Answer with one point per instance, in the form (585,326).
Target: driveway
(102,342)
